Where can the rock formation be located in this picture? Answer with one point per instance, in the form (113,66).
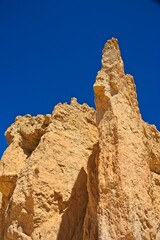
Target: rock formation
(81,174)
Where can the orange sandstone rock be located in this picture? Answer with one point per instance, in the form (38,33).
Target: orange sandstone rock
(129,151)
(48,200)
(81,174)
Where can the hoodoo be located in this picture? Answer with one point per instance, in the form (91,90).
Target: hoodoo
(84,174)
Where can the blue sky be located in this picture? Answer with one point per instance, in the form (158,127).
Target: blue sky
(50,51)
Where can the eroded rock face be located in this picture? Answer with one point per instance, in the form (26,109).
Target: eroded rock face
(81,174)
(51,179)
(129,153)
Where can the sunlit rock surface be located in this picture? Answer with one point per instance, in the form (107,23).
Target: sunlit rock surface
(84,174)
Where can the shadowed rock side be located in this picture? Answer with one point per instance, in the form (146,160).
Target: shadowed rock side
(81,174)
(71,226)
(90,230)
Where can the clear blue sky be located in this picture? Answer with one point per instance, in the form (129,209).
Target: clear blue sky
(50,51)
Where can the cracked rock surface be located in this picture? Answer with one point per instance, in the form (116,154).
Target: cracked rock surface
(84,174)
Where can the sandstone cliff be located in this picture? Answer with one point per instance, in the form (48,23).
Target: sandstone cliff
(81,174)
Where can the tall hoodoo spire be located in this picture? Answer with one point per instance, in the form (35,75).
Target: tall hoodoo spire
(123,161)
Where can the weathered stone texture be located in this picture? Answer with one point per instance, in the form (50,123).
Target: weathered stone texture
(81,174)
(129,151)
(52,177)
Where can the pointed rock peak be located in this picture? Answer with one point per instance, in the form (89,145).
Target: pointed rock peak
(111,56)
(113,88)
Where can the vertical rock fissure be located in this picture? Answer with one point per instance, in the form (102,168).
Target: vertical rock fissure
(71,227)
(91,220)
